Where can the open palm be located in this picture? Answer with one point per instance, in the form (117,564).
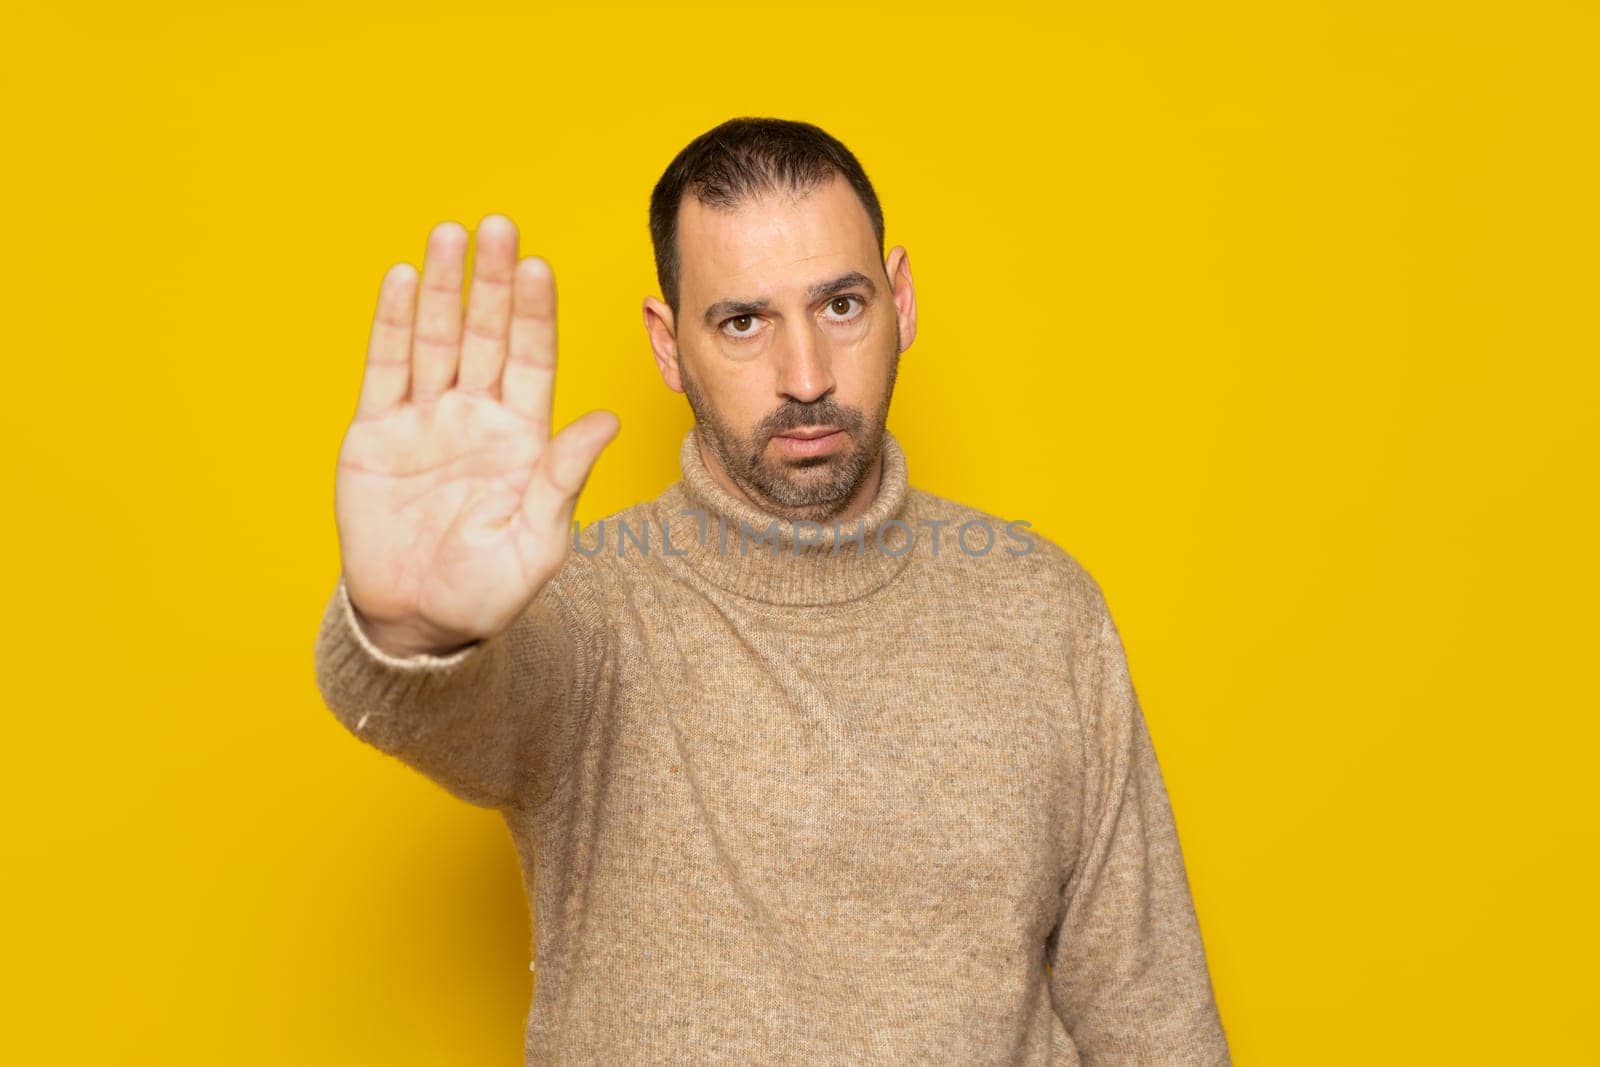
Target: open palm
(453,501)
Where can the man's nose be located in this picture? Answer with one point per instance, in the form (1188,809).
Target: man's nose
(805,370)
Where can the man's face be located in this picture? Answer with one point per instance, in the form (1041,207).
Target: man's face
(787,325)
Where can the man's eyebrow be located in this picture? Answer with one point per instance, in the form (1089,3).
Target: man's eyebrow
(853,280)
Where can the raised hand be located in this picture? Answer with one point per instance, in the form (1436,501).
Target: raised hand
(453,501)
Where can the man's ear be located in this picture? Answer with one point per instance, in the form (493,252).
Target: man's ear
(898,268)
(658,323)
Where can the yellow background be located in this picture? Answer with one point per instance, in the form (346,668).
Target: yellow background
(1281,317)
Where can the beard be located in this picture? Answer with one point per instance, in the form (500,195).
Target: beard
(814,488)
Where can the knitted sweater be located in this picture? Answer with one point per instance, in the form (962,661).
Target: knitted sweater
(800,794)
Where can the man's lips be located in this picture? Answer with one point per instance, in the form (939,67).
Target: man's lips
(810,432)
(809,441)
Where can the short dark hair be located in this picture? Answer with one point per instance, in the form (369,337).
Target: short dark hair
(743,157)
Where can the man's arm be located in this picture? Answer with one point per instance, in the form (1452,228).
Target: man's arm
(1129,978)
(494,723)
(453,504)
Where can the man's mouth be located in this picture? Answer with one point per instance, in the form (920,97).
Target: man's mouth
(809,441)
(810,432)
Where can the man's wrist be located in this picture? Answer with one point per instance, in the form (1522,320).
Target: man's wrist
(404,642)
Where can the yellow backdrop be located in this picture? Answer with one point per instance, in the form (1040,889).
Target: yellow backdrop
(1280,317)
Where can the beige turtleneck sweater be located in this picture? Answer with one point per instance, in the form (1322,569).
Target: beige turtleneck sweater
(819,805)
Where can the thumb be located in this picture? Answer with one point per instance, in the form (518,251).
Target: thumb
(573,452)
(564,468)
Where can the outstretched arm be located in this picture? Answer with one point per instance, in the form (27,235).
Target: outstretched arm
(494,723)
(462,635)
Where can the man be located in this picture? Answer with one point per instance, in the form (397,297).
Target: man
(803,766)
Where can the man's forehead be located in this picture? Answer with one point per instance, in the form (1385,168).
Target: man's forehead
(775,240)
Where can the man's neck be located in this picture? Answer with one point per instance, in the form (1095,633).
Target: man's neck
(857,504)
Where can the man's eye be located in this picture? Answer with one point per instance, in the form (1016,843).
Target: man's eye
(744,327)
(834,305)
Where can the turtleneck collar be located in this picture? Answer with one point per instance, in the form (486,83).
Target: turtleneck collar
(749,551)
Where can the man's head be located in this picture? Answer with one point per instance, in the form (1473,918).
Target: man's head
(781,315)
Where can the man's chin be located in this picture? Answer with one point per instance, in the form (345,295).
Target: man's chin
(812,488)
(792,487)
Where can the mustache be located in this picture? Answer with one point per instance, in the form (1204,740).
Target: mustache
(824,412)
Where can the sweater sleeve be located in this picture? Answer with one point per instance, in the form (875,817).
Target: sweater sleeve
(1129,978)
(494,723)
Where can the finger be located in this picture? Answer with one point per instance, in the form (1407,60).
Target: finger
(565,467)
(387,373)
(483,341)
(436,343)
(526,385)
